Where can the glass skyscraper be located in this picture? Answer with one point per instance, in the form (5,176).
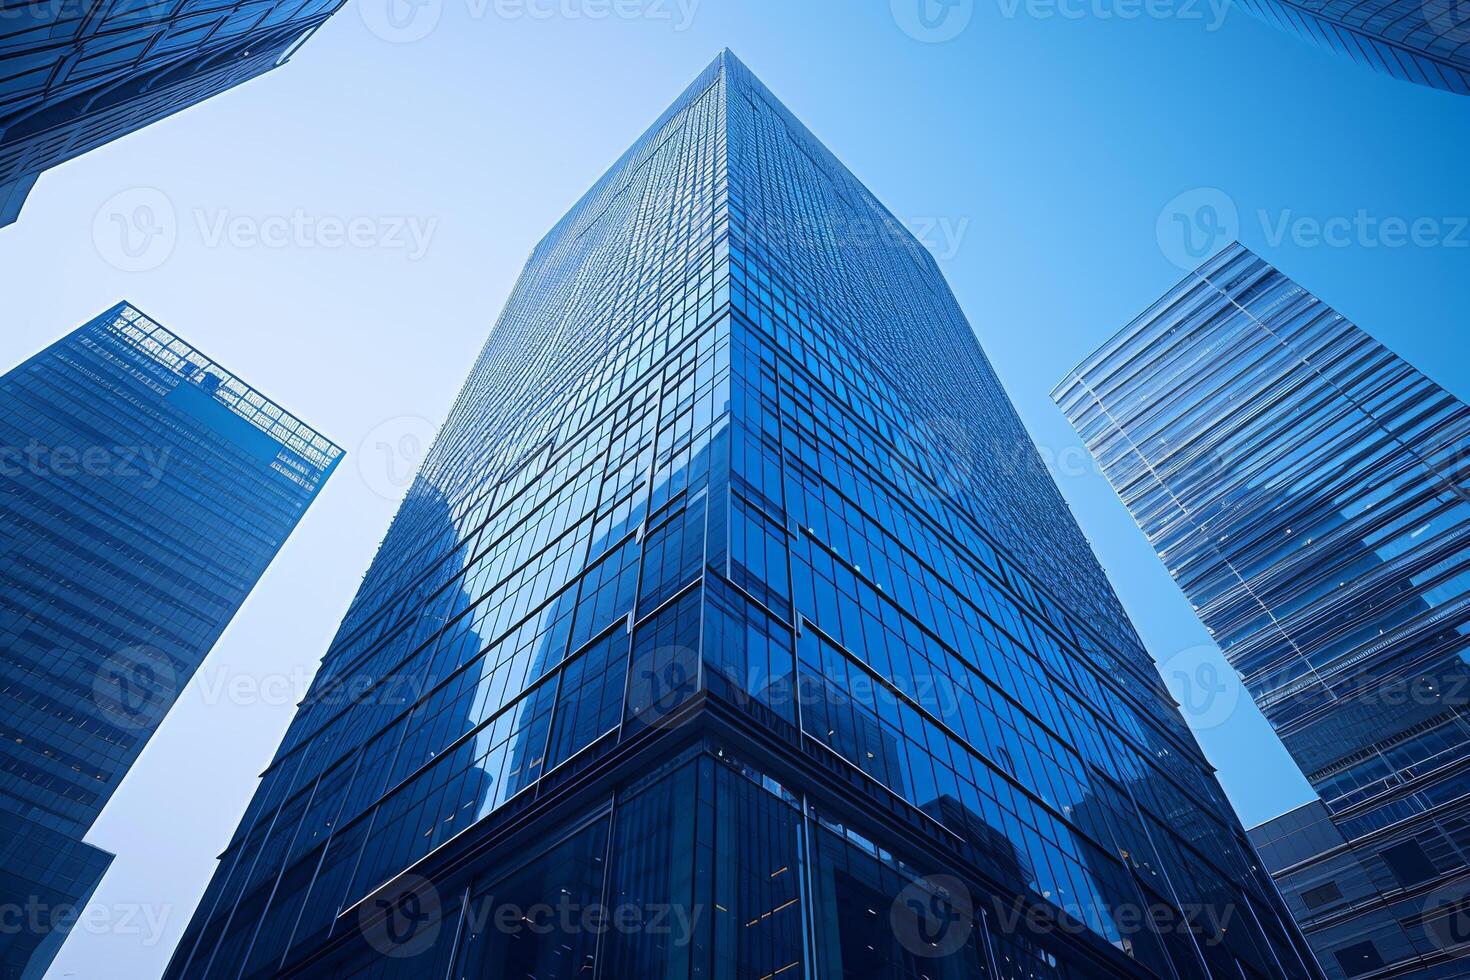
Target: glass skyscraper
(143,491)
(1307,490)
(1422,41)
(733,628)
(75,74)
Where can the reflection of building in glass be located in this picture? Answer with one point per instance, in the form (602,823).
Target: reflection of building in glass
(1307,490)
(1422,41)
(143,492)
(991,848)
(75,74)
(792,641)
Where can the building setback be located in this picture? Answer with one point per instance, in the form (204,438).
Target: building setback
(733,628)
(143,491)
(1307,490)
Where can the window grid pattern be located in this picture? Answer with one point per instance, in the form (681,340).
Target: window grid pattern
(621,513)
(1309,492)
(138,508)
(1427,43)
(75,74)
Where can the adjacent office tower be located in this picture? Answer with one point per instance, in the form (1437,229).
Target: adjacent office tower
(143,491)
(1307,489)
(731,624)
(1421,41)
(75,74)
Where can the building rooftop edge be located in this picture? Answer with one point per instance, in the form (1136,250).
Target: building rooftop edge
(1077,371)
(135,327)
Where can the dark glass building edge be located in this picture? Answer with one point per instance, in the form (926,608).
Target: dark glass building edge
(143,490)
(46,878)
(1426,42)
(1307,490)
(75,74)
(733,585)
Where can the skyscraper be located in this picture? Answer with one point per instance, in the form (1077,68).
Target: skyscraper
(143,491)
(1422,41)
(1307,490)
(75,74)
(733,628)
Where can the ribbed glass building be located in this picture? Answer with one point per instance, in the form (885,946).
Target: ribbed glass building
(1422,41)
(75,74)
(1307,490)
(143,491)
(734,629)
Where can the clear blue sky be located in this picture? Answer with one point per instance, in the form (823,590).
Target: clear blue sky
(1038,152)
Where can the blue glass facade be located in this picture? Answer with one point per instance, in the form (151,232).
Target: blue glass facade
(1307,490)
(75,74)
(733,628)
(143,491)
(1422,41)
